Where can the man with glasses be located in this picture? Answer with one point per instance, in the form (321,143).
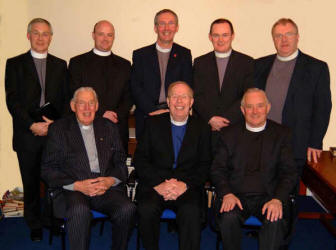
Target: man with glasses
(220,79)
(172,160)
(35,82)
(156,66)
(84,157)
(108,74)
(298,87)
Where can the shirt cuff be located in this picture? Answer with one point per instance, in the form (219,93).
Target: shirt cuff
(116,181)
(69,187)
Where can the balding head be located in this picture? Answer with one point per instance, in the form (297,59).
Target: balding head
(103,35)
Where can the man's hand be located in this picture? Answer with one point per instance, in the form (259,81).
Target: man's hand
(177,189)
(158,112)
(89,187)
(218,122)
(41,128)
(313,154)
(274,210)
(112,116)
(94,187)
(229,202)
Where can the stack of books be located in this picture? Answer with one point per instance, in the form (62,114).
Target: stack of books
(12,203)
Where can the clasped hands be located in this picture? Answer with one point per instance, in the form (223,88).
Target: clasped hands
(171,189)
(272,207)
(94,187)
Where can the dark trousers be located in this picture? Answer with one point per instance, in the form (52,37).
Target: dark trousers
(113,203)
(30,167)
(271,234)
(188,217)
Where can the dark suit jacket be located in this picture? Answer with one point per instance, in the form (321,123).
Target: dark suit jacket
(154,155)
(308,102)
(113,95)
(65,158)
(146,79)
(278,168)
(23,94)
(209,99)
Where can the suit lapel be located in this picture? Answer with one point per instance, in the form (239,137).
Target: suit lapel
(49,77)
(155,62)
(77,141)
(269,138)
(32,69)
(213,72)
(267,71)
(101,146)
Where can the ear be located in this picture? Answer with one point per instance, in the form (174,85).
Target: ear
(72,106)
(93,35)
(177,28)
(242,110)
(210,37)
(268,107)
(97,106)
(155,29)
(233,36)
(167,101)
(191,102)
(28,36)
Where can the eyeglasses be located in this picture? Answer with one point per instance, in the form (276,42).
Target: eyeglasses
(181,97)
(224,35)
(83,105)
(170,24)
(43,34)
(288,35)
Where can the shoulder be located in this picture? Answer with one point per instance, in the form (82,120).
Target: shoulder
(18,59)
(311,60)
(265,59)
(277,127)
(56,59)
(241,56)
(81,57)
(204,58)
(181,49)
(121,61)
(144,50)
(62,124)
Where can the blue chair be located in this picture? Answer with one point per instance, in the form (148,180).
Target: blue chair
(167,215)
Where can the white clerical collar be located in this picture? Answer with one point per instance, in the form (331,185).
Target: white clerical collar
(258,129)
(38,55)
(101,53)
(85,127)
(176,123)
(163,50)
(223,55)
(288,58)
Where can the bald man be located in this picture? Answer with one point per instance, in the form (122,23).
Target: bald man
(108,74)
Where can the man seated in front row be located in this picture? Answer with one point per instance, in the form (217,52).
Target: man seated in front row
(172,160)
(85,157)
(253,173)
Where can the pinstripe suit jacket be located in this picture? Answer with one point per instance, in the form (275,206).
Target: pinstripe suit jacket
(65,158)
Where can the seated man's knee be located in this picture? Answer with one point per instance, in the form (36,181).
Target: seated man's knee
(228,218)
(79,211)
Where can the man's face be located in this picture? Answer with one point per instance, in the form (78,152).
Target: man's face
(39,37)
(221,37)
(285,38)
(166,28)
(85,107)
(180,102)
(255,109)
(103,36)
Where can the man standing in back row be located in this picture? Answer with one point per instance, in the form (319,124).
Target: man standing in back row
(156,66)
(33,80)
(220,79)
(108,74)
(298,87)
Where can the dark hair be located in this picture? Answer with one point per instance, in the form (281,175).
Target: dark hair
(222,20)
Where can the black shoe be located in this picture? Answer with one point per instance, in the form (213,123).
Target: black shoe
(36,234)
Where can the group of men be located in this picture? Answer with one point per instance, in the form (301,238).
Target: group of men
(253,162)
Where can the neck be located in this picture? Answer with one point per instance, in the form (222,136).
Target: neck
(178,123)
(162,45)
(288,58)
(223,54)
(38,54)
(101,53)
(255,129)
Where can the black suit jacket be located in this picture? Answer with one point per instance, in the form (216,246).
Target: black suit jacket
(279,172)
(308,102)
(209,99)
(65,158)
(154,155)
(23,94)
(146,79)
(114,94)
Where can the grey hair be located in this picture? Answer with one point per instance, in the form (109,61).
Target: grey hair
(162,12)
(38,20)
(82,89)
(252,90)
